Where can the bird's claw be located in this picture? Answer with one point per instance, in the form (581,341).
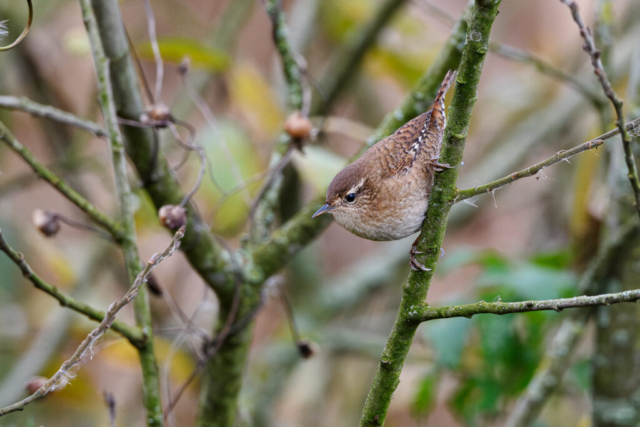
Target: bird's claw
(414,263)
(437,166)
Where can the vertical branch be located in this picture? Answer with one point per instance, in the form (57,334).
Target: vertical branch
(416,288)
(151,387)
(289,63)
(596,61)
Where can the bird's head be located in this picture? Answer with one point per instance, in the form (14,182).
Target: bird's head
(349,194)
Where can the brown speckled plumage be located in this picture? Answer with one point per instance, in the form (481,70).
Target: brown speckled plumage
(391,182)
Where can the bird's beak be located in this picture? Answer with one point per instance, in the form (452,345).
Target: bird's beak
(326,208)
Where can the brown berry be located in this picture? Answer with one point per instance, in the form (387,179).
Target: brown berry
(172,216)
(45,221)
(298,126)
(34,384)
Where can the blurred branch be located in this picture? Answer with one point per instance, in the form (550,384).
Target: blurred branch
(590,47)
(86,347)
(544,67)
(261,213)
(523,56)
(421,96)
(24,32)
(346,62)
(49,112)
(290,63)
(556,361)
(430,240)
(133,334)
(199,244)
(94,213)
(533,170)
(141,306)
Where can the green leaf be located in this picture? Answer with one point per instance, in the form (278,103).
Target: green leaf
(558,260)
(448,338)
(581,373)
(175,49)
(426,395)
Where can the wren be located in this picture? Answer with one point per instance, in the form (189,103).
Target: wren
(385,193)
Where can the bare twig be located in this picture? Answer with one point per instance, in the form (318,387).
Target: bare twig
(533,170)
(43,172)
(210,118)
(49,112)
(133,334)
(551,70)
(86,347)
(24,32)
(590,47)
(151,23)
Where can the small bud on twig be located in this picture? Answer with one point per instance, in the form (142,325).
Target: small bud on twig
(34,384)
(156,114)
(172,216)
(298,126)
(46,222)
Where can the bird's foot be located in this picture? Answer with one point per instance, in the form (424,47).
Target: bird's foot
(415,264)
(437,166)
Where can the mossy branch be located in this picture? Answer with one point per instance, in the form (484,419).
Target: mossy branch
(417,285)
(560,156)
(141,305)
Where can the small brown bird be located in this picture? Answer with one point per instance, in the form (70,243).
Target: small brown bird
(385,193)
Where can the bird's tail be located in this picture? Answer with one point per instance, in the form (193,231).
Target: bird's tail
(438,115)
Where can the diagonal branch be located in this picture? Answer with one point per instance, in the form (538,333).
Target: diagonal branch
(594,53)
(73,196)
(533,170)
(133,334)
(86,347)
(141,306)
(49,112)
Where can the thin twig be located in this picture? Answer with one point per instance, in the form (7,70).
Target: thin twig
(49,112)
(87,346)
(590,47)
(133,334)
(544,67)
(24,32)
(151,23)
(500,308)
(533,170)
(73,196)
(210,118)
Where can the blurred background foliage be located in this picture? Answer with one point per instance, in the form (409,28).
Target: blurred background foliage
(530,240)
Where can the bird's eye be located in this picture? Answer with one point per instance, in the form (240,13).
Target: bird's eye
(350,198)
